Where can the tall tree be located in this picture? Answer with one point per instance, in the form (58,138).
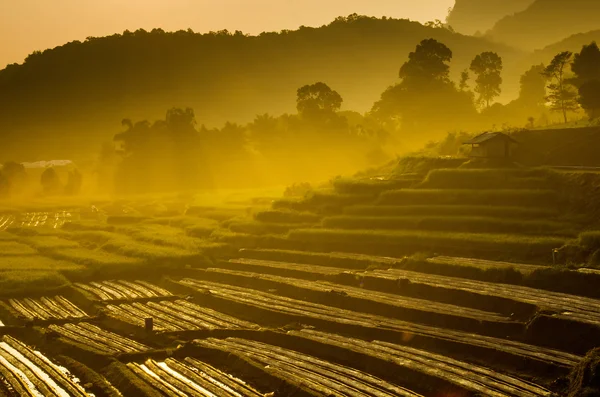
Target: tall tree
(533,86)
(562,97)
(318,101)
(589,98)
(464,80)
(586,66)
(487,66)
(427,64)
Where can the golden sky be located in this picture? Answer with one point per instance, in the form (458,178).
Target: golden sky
(29,25)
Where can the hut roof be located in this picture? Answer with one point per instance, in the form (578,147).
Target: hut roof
(488,136)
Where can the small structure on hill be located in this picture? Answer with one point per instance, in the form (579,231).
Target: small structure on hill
(491,145)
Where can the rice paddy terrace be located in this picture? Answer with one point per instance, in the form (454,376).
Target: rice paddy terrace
(390,288)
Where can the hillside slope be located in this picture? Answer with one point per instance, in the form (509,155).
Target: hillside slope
(546,22)
(472,16)
(81,91)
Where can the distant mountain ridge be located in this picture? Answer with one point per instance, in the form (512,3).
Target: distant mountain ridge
(81,91)
(472,16)
(547,21)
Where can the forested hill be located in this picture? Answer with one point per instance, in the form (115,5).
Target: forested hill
(75,96)
(472,16)
(547,21)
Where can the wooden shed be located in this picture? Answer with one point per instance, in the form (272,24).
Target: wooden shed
(491,145)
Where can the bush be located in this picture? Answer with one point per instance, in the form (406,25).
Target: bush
(30,282)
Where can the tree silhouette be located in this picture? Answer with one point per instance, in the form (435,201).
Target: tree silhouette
(317,101)
(464,80)
(533,86)
(427,64)
(562,97)
(50,181)
(487,66)
(589,98)
(586,66)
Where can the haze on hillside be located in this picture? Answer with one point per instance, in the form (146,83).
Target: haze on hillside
(146,110)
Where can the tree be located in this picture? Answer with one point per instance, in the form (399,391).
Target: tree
(427,64)
(464,80)
(589,98)
(563,97)
(317,101)
(487,66)
(533,86)
(50,181)
(586,64)
(74,183)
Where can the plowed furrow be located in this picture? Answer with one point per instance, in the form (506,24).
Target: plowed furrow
(21,309)
(140,289)
(177,380)
(84,339)
(128,292)
(103,296)
(67,305)
(323,376)
(177,313)
(158,290)
(301,308)
(113,293)
(213,375)
(168,317)
(135,318)
(215,317)
(109,335)
(143,372)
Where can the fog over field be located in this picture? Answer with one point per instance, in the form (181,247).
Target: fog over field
(335,198)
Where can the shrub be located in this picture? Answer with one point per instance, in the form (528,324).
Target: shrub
(370,186)
(423,164)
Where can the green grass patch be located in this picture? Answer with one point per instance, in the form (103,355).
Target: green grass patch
(162,235)
(30,282)
(486,179)
(467,224)
(12,248)
(35,262)
(370,186)
(289,217)
(451,210)
(261,228)
(95,258)
(423,164)
(403,242)
(323,202)
(510,197)
(49,242)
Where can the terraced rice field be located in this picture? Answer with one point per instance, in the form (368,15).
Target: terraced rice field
(191,377)
(6,221)
(405,304)
(93,337)
(473,378)
(26,372)
(325,316)
(122,290)
(310,373)
(483,264)
(172,316)
(46,308)
(571,307)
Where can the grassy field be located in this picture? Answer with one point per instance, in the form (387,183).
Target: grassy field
(451,210)
(500,197)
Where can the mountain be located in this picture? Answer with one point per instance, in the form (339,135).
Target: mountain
(81,91)
(547,21)
(472,16)
(573,43)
